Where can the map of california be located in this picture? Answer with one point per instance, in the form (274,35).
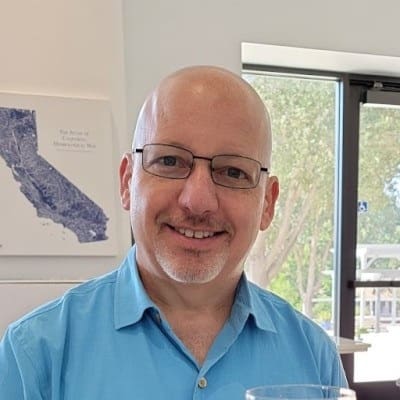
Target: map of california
(50,193)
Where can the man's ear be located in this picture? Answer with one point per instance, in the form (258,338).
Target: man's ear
(125,176)
(271,195)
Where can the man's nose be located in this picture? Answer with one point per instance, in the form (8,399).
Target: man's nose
(199,192)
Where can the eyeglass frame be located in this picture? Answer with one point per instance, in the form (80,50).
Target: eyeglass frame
(140,150)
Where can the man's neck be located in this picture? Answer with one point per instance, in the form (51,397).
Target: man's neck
(195,312)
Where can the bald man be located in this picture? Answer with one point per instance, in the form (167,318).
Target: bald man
(178,320)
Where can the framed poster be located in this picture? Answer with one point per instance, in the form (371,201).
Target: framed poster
(56,176)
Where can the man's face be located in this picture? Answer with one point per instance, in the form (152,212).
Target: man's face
(191,230)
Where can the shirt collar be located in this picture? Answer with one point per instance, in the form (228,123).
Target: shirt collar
(249,301)
(130,299)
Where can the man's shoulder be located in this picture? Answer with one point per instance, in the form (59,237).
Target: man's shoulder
(93,287)
(79,300)
(285,315)
(298,335)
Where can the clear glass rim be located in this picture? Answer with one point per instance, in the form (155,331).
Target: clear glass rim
(257,392)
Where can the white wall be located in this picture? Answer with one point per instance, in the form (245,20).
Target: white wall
(62,48)
(163,35)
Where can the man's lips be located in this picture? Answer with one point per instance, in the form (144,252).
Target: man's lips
(196,228)
(194,233)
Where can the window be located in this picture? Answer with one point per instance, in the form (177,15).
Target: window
(334,248)
(296,253)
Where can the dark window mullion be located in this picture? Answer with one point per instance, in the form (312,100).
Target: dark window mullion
(347,212)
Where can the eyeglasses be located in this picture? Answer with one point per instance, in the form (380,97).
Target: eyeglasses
(174,162)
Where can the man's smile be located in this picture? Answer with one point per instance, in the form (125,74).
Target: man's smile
(197,234)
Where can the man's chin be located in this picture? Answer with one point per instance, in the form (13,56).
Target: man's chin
(192,270)
(192,278)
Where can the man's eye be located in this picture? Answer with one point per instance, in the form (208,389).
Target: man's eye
(168,161)
(231,173)
(235,173)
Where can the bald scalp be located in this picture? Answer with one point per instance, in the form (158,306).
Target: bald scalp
(219,86)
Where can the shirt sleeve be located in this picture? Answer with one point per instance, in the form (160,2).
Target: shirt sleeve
(18,378)
(338,374)
(331,366)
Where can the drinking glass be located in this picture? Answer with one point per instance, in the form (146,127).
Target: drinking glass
(300,392)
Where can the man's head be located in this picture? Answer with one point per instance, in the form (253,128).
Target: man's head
(196,229)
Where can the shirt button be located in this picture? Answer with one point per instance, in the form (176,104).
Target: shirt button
(202,383)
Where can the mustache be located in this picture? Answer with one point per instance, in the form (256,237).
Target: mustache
(203,222)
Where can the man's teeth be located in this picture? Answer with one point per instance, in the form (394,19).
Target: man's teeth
(196,234)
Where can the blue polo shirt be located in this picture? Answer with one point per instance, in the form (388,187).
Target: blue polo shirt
(106,340)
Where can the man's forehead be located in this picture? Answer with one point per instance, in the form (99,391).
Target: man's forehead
(205,92)
(198,93)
